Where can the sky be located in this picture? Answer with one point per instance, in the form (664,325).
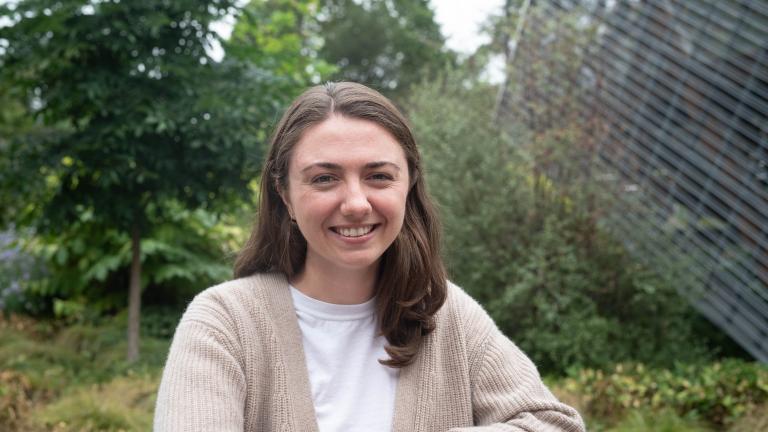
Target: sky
(460,21)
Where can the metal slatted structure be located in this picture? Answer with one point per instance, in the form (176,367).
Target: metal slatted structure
(684,93)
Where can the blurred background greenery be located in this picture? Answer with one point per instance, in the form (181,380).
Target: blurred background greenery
(131,137)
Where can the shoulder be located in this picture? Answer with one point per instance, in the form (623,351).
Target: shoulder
(225,307)
(463,319)
(467,310)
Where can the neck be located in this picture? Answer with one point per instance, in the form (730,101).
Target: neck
(337,286)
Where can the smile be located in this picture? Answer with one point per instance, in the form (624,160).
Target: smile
(354,231)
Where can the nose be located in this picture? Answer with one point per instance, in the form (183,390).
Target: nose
(355,204)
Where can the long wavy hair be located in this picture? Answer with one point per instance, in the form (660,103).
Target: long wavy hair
(411,283)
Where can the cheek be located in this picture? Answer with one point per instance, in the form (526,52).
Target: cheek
(394,205)
(314,206)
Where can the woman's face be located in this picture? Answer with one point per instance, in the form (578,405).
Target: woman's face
(347,187)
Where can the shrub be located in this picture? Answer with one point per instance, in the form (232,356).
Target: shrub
(123,404)
(75,378)
(755,420)
(653,421)
(53,358)
(718,393)
(86,265)
(534,250)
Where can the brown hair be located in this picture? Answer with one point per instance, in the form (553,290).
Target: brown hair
(411,284)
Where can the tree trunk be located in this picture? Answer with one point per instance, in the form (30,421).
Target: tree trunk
(134,297)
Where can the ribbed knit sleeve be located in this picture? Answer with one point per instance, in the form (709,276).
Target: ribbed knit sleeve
(203,386)
(507,391)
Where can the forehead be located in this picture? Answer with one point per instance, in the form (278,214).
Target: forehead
(346,140)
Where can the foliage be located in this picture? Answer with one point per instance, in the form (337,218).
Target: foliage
(54,358)
(86,264)
(140,115)
(15,398)
(656,421)
(75,377)
(122,404)
(717,393)
(525,204)
(280,36)
(388,45)
(16,267)
(160,321)
(532,249)
(144,115)
(137,133)
(754,420)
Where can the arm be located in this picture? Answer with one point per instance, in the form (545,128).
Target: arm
(203,385)
(508,394)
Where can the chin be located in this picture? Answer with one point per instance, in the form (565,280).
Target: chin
(358,263)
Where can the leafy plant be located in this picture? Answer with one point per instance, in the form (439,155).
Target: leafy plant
(524,234)
(86,264)
(718,393)
(388,45)
(122,404)
(137,114)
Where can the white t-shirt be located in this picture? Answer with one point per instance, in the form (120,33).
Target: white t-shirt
(351,390)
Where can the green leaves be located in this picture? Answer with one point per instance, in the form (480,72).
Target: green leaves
(719,393)
(388,45)
(86,261)
(123,119)
(523,235)
(143,112)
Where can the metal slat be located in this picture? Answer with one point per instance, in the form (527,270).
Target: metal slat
(753,316)
(698,177)
(755,328)
(714,81)
(689,204)
(703,108)
(684,91)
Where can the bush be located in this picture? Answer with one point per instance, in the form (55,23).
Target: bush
(123,404)
(75,378)
(54,358)
(718,393)
(653,421)
(534,249)
(86,265)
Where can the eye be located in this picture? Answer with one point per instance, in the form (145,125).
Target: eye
(322,179)
(381,177)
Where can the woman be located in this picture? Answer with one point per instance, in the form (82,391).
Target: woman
(341,318)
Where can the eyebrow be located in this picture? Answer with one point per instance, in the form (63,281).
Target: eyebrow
(337,167)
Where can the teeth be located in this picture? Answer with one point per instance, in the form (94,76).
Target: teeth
(355,232)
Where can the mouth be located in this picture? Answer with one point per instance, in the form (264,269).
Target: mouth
(352,232)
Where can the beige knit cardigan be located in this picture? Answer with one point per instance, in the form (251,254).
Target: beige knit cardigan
(237,364)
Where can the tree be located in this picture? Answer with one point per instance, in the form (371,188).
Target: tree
(140,115)
(524,235)
(281,36)
(387,45)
